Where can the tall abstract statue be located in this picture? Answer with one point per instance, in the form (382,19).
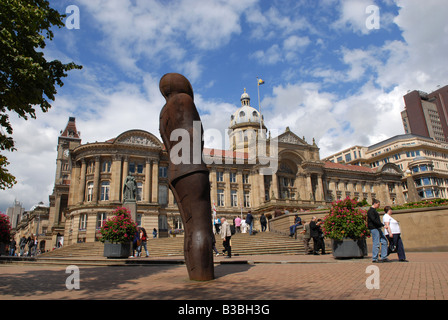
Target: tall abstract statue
(188,179)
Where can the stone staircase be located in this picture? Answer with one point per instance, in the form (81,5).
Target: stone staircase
(242,244)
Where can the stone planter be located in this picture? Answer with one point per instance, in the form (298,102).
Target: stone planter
(117,250)
(349,248)
(3,249)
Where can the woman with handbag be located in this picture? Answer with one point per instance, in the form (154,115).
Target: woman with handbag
(393,233)
(144,239)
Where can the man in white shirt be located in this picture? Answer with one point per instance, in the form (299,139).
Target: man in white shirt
(393,232)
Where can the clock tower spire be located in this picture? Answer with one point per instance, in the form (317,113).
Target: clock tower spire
(68,139)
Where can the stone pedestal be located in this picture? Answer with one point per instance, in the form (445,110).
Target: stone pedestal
(412,190)
(131,205)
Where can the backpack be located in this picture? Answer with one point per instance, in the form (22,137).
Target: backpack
(232,229)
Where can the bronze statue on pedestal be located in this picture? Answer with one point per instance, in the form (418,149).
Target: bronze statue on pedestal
(188,178)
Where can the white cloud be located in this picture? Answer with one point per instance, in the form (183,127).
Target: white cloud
(353,15)
(142,30)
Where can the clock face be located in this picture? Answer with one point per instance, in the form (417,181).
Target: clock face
(66,153)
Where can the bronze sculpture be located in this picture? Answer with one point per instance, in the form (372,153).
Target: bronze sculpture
(188,180)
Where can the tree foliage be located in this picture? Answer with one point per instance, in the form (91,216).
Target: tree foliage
(27,80)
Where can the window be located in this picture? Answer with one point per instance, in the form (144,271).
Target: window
(83,222)
(140,168)
(65,166)
(163,172)
(90,167)
(105,188)
(219,176)
(246,199)
(233,177)
(89,191)
(105,167)
(391,188)
(131,167)
(163,194)
(100,219)
(233,198)
(245,178)
(220,195)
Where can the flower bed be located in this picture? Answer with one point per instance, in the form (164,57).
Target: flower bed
(346,220)
(5,228)
(120,228)
(422,204)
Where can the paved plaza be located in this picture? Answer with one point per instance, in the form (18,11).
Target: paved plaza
(268,277)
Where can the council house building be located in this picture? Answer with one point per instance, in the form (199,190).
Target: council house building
(89,178)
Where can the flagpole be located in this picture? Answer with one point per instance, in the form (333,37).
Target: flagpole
(259,106)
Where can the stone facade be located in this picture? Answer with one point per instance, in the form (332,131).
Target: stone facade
(423,160)
(90,177)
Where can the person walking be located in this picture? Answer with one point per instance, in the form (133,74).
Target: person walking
(12,247)
(393,231)
(22,245)
(136,244)
(226,235)
(316,233)
(263,222)
(238,224)
(217,222)
(250,221)
(30,242)
(306,237)
(374,224)
(144,239)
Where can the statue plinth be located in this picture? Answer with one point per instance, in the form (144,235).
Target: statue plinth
(131,205)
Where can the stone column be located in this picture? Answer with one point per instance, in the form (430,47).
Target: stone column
(320,191)
(74,184)
(258,179)
(309,187)
(124,174)
(82,183)
(275,185)
(227,188)
(147,185)
(155,182)
(240,191)
(116,179)
(96,180)
(213,186)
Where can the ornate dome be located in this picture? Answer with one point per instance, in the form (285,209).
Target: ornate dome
(246,114)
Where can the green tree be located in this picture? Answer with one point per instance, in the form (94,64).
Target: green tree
(27,80)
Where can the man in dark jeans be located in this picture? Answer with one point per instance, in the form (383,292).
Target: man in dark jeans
(317,235)
(375,225)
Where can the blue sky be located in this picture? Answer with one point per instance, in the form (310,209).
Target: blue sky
(327,75)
